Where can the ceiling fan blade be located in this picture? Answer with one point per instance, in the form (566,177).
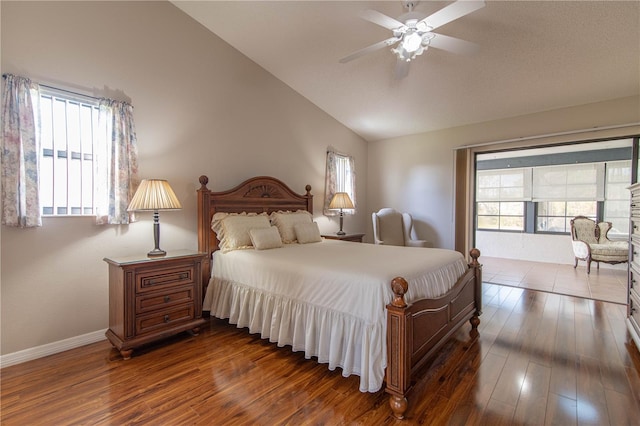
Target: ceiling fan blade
(381,19)
(369,49)
(402,69)
(452,12)
(452,44)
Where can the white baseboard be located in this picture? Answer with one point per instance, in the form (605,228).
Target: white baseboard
(51,348)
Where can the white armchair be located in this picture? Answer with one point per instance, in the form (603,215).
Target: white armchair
(390,227)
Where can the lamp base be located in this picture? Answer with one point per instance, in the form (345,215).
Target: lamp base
(341,232)
(156,252)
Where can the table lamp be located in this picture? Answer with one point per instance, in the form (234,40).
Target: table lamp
(341,201)
(154,195)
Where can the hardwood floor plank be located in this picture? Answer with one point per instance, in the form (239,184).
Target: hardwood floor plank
(591,403)
(622,409)
(561,411)
(509,384)
(532,404)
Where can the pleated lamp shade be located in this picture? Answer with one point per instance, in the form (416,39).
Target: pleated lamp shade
(341,200)
(154,194)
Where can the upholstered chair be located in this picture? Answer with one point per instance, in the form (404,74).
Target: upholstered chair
(390,227)
(590,243)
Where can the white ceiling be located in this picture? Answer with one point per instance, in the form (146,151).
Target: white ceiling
(533,56)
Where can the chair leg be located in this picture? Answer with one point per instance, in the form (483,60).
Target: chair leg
(598,265)
(588,266)
(575,265)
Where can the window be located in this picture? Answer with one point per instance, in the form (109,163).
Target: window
(502,216)
(566,191)
(500,196)
(344,181)
(340,177)
(555,216)
(550,196)
(68,134)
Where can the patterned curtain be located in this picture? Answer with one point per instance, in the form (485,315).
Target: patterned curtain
(340,176)
(20,152)
(117,178)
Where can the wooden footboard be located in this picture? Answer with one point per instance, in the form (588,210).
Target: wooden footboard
(415,332)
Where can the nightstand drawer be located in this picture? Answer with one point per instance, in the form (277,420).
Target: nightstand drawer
(150,302)
(165,318)
(161,278)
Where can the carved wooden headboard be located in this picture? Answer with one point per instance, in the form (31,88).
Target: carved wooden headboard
(259,194)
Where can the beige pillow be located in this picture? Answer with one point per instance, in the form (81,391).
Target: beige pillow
(265,238)
(232,229)
(285,221)
(307,233)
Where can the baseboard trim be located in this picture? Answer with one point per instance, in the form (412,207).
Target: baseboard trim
(51,348)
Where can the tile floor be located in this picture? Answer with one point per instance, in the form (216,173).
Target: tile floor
(607,283)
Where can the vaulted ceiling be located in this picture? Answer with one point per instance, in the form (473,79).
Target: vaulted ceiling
(533,56)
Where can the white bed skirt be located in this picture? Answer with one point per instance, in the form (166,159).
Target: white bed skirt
(335,338)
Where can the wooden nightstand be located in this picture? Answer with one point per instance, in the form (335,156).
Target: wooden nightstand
(153,298)
(356,238)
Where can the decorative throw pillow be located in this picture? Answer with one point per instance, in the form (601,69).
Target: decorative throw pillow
(265,238)
(307,233)
(285,221)
(232,229)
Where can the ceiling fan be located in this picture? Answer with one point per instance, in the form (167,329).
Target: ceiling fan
(413,33)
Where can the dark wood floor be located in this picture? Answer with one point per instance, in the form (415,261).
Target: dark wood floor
(540,359)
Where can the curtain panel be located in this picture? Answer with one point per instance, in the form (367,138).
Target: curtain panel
(20,152)
(116,164)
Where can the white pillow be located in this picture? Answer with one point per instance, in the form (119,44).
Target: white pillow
(285,221)
(265,238)
(307,233)
(232,229)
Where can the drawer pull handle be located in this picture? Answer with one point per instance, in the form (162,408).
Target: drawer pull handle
(167,299)
(184,276)
(166,318)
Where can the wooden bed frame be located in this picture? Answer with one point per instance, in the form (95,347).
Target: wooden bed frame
(414,332)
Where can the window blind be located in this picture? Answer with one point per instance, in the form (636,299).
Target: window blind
(570,182)
(503,185)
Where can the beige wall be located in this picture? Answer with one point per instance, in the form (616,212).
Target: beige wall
(200,108)
(415,173)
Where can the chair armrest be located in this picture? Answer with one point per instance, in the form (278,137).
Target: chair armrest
(416,243)
(581,249)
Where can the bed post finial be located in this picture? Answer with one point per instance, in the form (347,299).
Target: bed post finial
(308,189)
(203,181)
(475,254)
(477,271)
(399,286)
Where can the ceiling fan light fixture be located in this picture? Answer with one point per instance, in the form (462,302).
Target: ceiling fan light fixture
(412,42)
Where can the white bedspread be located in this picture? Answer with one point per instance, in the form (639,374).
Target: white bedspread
(327,299)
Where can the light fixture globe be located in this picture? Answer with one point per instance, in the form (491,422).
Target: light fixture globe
(415,37)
